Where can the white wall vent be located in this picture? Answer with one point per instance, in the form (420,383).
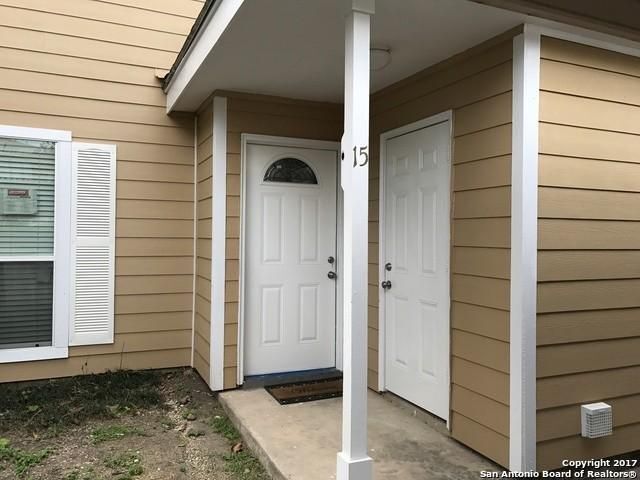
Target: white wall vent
(597,420)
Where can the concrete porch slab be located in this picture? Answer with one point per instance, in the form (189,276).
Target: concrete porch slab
(300,441)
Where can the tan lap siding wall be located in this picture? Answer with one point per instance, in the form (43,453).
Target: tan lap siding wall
(589,249)
(477,86)
(266,116)
(89,67)
(202,318)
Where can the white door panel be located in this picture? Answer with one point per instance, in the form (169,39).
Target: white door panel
(417,206)
(290,303)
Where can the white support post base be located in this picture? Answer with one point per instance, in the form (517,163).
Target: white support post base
(354,469)
(353,462)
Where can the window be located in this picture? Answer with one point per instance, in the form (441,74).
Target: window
(26,304)
(35,173)
(57,243)
(290,170)
(27,205)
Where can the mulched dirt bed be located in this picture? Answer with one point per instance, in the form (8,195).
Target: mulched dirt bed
(120,426)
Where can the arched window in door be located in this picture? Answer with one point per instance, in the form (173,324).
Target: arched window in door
(290,170)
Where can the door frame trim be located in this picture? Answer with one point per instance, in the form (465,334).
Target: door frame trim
(443,117)
(269,140)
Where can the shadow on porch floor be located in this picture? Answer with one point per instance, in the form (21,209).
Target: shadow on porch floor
(300,441)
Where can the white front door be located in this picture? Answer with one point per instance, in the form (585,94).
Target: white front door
(290,301)
(417,204)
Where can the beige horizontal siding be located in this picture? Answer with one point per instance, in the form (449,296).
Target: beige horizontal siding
(481,262)
(90,29)
(588,204)
(587,143)
(484,321)
(86,88)
(202,304)
(476,85)
(483,439)
(553,452)
(264,115)
(77,365)
(62,44)
(125,12)
(565,421)
(585,326)
(89,66)
(589,249)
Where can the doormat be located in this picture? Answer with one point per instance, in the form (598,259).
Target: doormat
(309,391)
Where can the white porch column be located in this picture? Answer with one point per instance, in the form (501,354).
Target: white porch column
(353,461)
(524,250)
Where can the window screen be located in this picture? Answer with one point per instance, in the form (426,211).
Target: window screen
(27,196)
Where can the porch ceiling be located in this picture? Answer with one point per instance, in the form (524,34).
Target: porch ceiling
(295,48)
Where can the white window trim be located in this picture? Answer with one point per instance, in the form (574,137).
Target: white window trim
(61,254)
(35,133)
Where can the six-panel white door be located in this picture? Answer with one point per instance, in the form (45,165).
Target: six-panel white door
(417,205)
(290,302)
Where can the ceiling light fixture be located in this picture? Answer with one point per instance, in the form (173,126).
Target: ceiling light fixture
(380,58)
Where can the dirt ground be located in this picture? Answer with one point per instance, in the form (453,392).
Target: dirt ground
(121,426)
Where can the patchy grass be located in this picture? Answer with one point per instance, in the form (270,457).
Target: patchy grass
(188,414)
(168,424)
(56,404)
(223,426)
(128,464)
(114,432)
(80,475)
(121,426)
(241,464)
(244,466)
(21,461)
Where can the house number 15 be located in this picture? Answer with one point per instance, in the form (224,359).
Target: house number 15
(363,153)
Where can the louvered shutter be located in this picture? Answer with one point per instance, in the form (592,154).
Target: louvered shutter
(93,243)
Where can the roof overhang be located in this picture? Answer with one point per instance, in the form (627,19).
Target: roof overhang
(213,21)
(295,48)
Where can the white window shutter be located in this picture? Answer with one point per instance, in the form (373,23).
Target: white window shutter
(93,243)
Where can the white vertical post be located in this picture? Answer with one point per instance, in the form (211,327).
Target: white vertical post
(354,462)
(218,235)
(524,250)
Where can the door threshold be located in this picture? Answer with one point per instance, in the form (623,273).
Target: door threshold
(436,423)
(260,381)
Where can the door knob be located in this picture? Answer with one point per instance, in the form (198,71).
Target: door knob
(331,260)
(386,284)
(332,275)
